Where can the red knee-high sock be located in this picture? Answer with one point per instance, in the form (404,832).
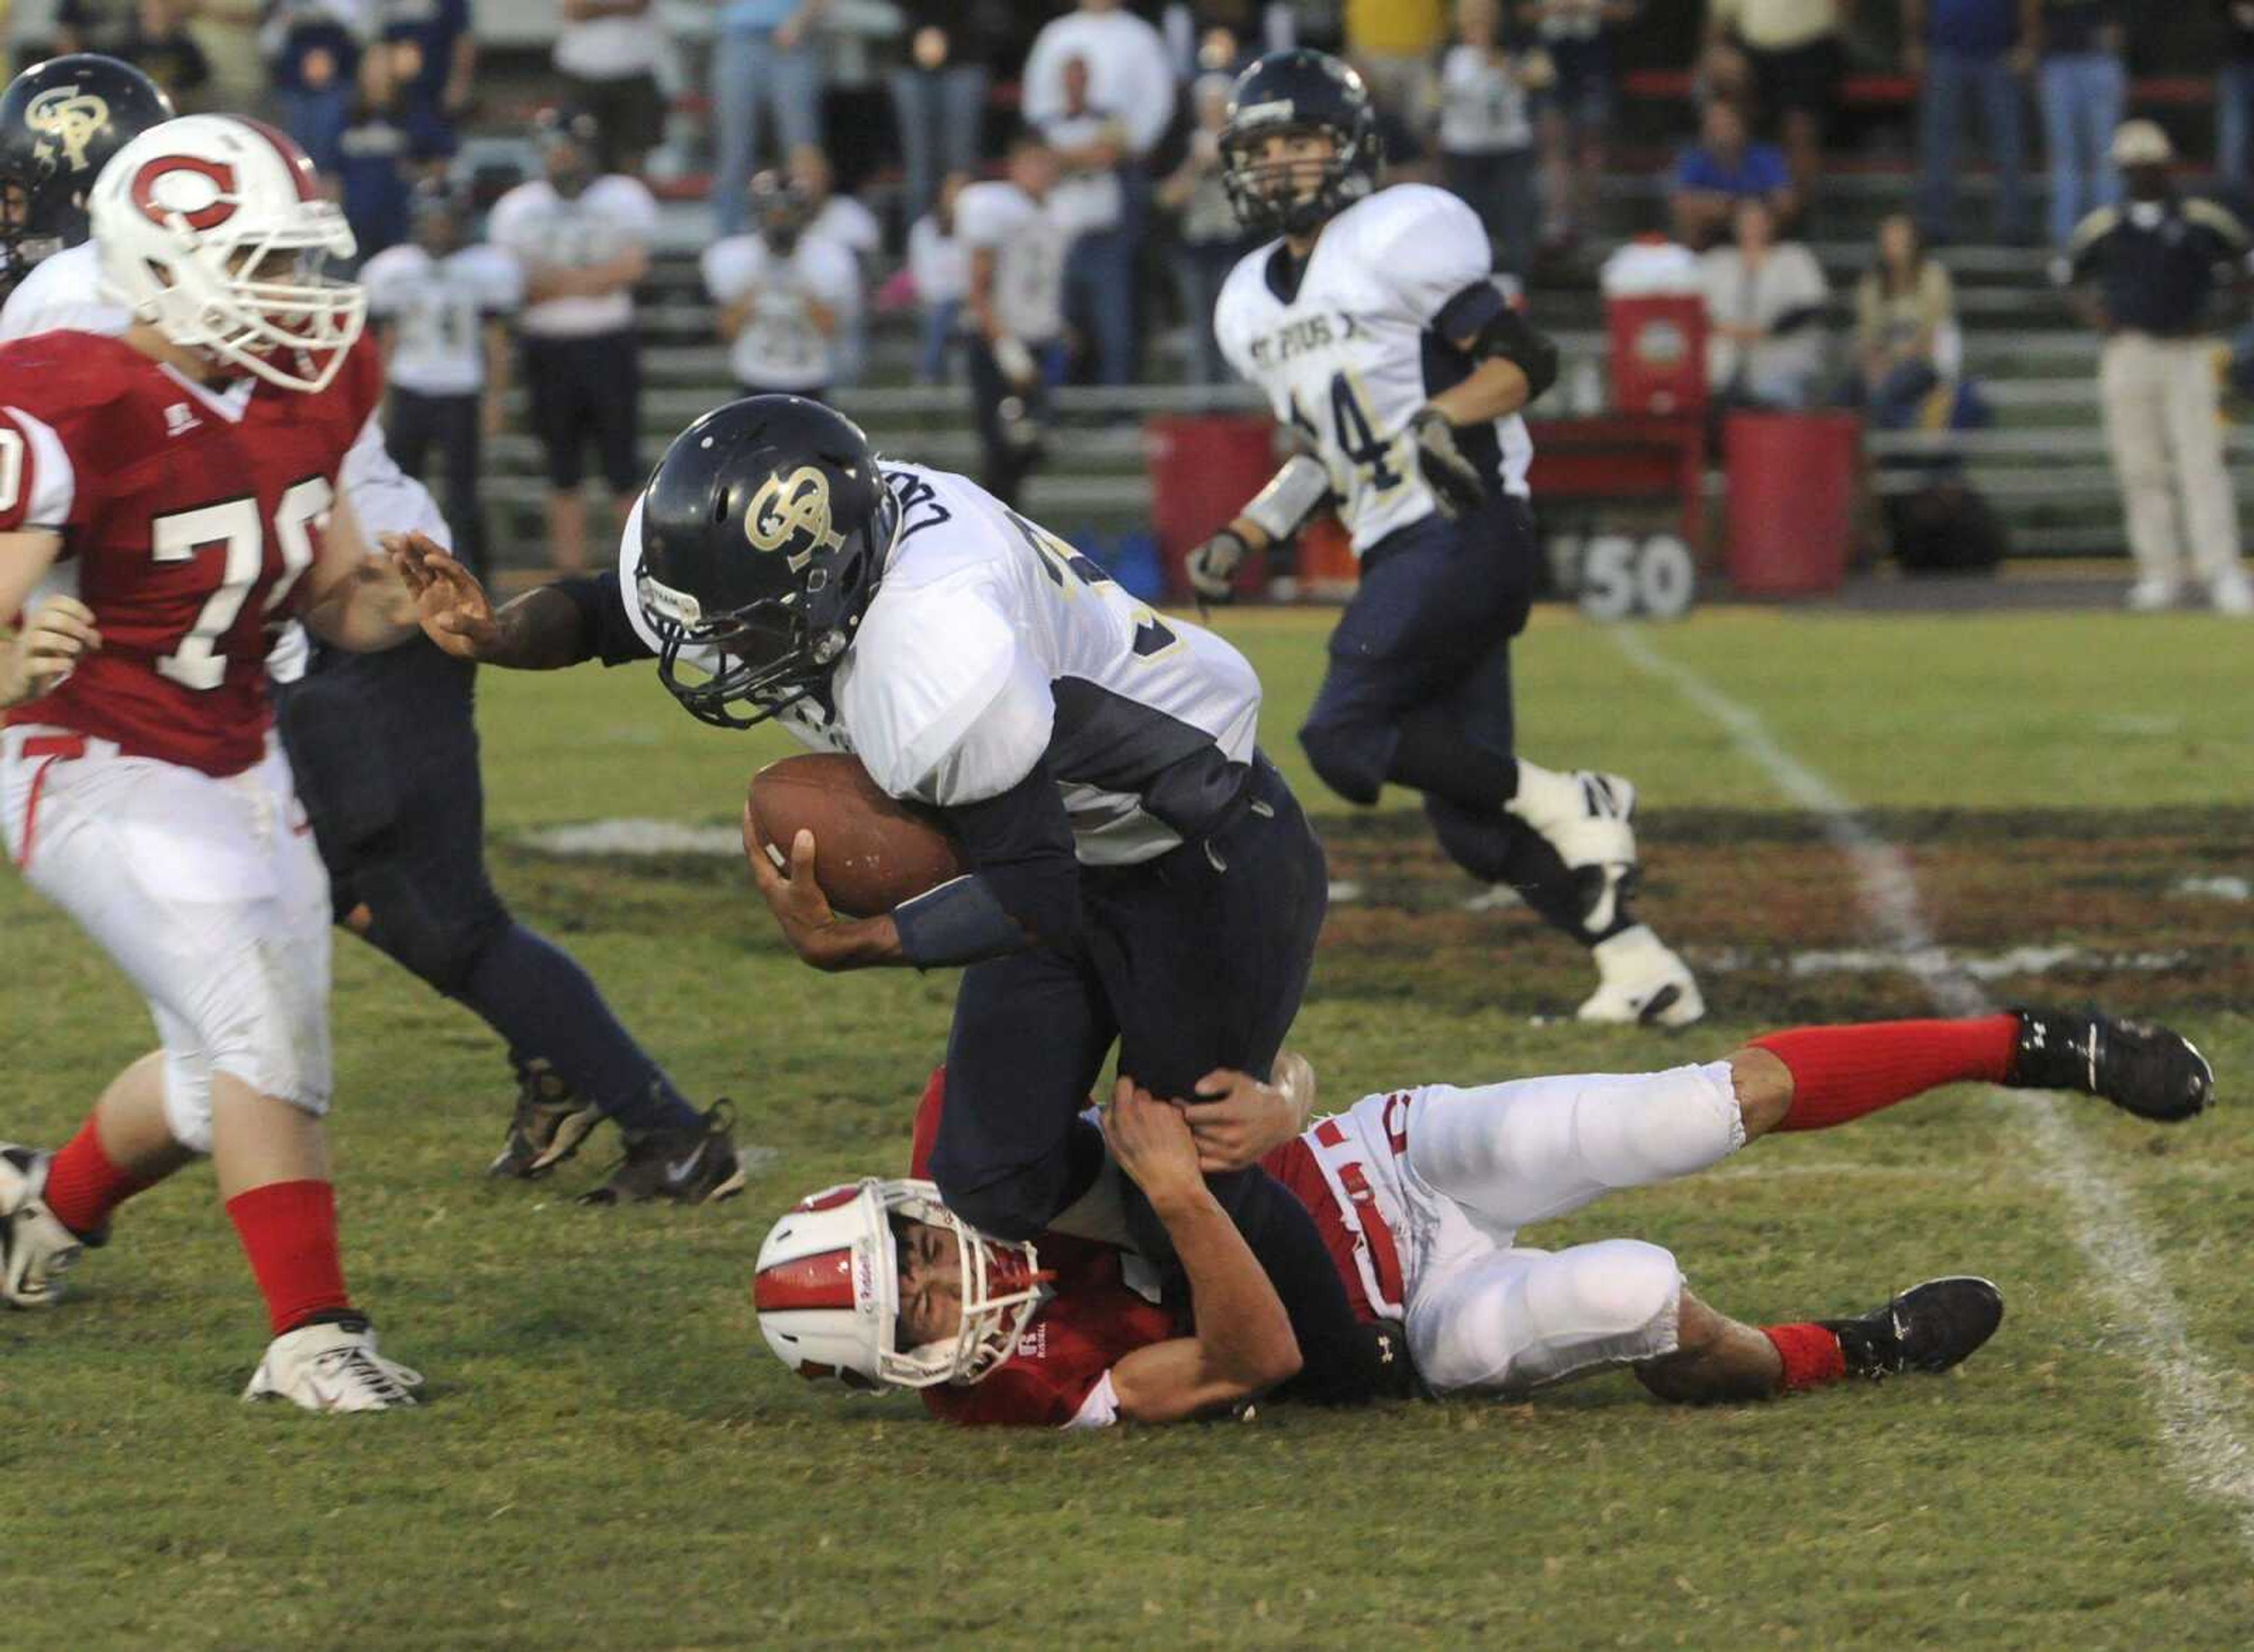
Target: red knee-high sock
(288,1231)
(1812,1354)
(1840,1073)
(84,1184)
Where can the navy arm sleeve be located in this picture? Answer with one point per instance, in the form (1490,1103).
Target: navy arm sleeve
(1024,888)
(605,633)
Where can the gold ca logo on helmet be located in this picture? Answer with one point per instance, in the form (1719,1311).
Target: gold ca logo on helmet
(792,511)
(66,119)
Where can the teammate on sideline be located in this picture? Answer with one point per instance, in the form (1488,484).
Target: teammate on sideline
(1375,329)
(384,750)
(1420,1195)
(1096,762)
(162,497)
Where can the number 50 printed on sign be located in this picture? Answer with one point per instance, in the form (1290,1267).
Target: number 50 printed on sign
(1619,578)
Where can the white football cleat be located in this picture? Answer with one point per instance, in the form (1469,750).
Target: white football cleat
(2151,595)
(331,1367)
(36,1249)
(2233,595)
(1586,816)
(1640,982)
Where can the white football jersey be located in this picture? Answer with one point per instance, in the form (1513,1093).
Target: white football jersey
(437,308)
(992,644)
(1352,355)
(1029,243)
(779,347)
(539,226)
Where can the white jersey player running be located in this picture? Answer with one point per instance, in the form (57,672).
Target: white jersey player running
(1372,324)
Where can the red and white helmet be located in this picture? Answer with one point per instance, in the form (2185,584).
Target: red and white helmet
(212,227)
(827,1289)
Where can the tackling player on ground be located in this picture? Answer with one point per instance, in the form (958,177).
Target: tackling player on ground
(1421,1194)
(1374,328)
(167,502)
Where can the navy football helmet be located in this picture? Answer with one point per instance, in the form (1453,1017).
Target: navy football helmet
(765,531)
(1299,91)
(60,120)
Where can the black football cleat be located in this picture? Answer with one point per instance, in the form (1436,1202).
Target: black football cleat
(2140,1067)
(548,1125)
(696,1165)
(1928,1327)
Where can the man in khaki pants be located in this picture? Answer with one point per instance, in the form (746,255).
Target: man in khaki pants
(2152,263)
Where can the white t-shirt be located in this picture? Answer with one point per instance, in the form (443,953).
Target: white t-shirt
(1029,245)
(1483,105)
(939,264)
(540,227)
(1086,199)
(991,645)
(610,48)
(1128,70)
(1343,360)
(437,308)
(1788,280)
(780,348)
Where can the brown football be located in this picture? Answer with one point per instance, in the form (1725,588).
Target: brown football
(871,851)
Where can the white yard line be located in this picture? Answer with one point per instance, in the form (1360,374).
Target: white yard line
(2198,1421)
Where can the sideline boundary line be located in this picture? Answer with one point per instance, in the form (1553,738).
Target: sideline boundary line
(2196,1415)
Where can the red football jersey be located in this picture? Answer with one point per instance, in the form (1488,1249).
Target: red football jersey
(1092,1319)
(187,518)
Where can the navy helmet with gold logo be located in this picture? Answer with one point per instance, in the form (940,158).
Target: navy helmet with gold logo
(764,530)
(60,120)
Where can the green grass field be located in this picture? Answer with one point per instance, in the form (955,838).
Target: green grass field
(609,1460)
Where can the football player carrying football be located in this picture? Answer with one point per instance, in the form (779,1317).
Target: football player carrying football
(167,502)
(1097,763)
(1373,325)
(383,747)
(1420,1195)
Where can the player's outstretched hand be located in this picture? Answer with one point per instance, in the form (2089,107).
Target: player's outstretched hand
(56,635)
(1454,478)
(1236,1121)
(454,610)
(1151,1142)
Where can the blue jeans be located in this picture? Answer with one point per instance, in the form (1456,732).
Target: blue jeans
(1200,268)
(2082,99)
(1951,81)
(940,119)
(748,71)
(938,342)
(1099,299)
(2234,115)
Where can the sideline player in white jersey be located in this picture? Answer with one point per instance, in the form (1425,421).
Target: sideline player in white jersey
(787,297)
(383,752)
(1140,872)
(1420,1193)
(1014,311)
(1375,329)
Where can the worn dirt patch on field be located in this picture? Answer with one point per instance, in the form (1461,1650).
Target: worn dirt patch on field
(2046,905)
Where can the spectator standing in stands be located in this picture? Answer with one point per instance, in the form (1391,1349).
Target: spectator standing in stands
(1765,348)
(1905,326)
(938,94)
(430,55)
(226,33)
(1486,132)
(314,47)
(375,156)
(2234,96)
(766,55)
(1090,202)
(1394,44)
(1724,168)
(1578,34)
(439,304)
(1796,53)
(785,295)
(2083,84)
(939,268)
(1016,306)
(1961,52)
(1209,236)
(583,241)
(150,34)
(607,54)
(2153,262)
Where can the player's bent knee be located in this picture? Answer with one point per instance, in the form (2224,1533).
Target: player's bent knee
(441,948)
(1633,1297)
(1016,1207)
(1351,761)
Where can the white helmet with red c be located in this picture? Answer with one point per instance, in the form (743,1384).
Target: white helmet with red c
(212,228)
(827,1289)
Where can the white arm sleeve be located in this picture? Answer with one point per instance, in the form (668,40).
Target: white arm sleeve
(942,704)
(1100,1409)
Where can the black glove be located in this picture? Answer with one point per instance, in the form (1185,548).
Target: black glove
(1454,478)
(1212,567)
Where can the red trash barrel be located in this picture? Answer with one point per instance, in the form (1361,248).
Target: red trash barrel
(1791,481)
(1204,469)
(1658,353)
